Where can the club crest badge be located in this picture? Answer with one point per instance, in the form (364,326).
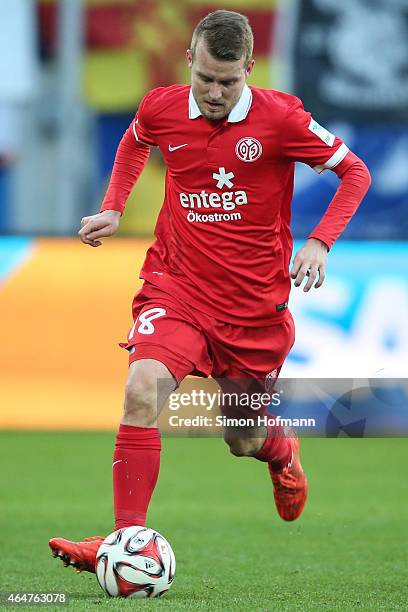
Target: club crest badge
(248,149)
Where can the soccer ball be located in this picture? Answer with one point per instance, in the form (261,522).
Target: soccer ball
(135,562)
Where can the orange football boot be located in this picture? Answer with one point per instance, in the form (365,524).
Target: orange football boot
(290,484)
(81,555)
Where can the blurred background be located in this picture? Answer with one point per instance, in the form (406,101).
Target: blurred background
(72,73)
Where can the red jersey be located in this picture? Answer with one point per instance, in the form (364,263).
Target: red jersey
(223,240)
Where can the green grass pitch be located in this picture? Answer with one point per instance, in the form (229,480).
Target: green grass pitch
(348,551)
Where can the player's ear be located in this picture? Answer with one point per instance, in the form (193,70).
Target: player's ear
(249,67)
(189,57)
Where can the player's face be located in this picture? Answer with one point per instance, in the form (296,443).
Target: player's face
(217,85)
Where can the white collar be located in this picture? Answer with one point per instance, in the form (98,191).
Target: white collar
(238,113)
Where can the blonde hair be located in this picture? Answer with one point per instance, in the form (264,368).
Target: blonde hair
(227,34)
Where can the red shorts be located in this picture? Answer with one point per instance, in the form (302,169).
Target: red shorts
(188,341)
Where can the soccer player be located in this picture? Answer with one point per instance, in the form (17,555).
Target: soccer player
(214,301)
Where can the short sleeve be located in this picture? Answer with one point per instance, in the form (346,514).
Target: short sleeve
(304,140)
(141,125)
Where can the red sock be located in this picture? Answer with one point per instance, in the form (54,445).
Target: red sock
(276,449)
(136,463)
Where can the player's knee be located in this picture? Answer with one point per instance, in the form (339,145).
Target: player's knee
(238,446)
(141,400)
(144,397)
(242,446)
(139,397)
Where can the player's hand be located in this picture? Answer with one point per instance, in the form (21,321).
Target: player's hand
(310,261)
(99,226)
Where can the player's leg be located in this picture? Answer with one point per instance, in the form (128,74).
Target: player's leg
(149,384)
(254,439)
(279,447)
(136,459)
(259,354)
(164,347)
(243,440)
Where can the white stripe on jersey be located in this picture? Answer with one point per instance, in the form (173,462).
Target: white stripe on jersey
(134,130)
(135,134)
(334,160)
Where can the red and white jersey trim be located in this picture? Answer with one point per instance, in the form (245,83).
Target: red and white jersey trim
(135,133)
(334,160)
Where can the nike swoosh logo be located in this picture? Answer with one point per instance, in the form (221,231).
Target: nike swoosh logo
(178,147)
